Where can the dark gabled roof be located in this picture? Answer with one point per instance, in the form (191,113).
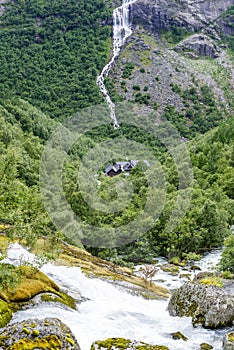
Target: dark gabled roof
(108,168)
(124,166)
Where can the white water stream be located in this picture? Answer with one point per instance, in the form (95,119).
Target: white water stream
(121,31)
(111,312)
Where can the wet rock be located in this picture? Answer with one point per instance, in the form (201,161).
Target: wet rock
(172,269)
(179,335)
(228,341)
(38,334)
(208,305)
(185,276)
(205,346)
(195,268)
(124,344)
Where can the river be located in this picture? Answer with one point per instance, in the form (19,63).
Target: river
(109,311)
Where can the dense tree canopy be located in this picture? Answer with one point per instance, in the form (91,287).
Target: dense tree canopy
(52,51)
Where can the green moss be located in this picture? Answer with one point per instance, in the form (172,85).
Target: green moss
(49,342)
(70,340)
(35,333)
(3,338)
(174,270)
(151,347)
(5,313)
(29,282)
(205,346)
(177,261)
(231,337)
(212,280)
(26,330)
(60,298)
(119,343)
(179,335)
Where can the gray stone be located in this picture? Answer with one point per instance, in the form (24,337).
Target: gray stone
(208,305)
(192,15)
(201,45)
(122,343)
(30,334)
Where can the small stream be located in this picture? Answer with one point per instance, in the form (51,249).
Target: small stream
(109,311)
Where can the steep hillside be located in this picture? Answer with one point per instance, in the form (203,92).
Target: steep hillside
(179,62)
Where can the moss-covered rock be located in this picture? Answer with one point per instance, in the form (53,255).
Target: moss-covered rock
(205,346)
(61,298)
(208,305)
(179,335)
(38,334)
(30,283)
(124,344)
(170,268)
(5,314)
(177,261)
(24,283)
(33,282)
(228,341)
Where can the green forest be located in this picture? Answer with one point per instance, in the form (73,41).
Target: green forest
(51,53)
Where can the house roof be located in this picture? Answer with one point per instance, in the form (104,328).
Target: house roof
(124,166)
(108,168)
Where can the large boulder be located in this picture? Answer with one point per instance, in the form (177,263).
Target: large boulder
(38,334)
(208,305)
(124,344)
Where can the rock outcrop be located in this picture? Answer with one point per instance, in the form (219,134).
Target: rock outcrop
(199,45)
(38,334)
(124,344)
(192,15)
(97,267)
(208,305)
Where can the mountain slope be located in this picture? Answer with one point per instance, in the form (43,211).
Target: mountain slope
(179,62)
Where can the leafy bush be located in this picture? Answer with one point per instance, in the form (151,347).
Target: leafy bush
(227,261)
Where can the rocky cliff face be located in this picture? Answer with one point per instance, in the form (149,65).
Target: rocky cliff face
(193,15)
(168,54)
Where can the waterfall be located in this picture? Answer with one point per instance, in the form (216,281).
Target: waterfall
(121,31)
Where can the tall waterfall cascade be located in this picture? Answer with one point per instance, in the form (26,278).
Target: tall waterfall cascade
(121,31)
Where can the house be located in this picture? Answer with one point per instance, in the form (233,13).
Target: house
(119,167)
